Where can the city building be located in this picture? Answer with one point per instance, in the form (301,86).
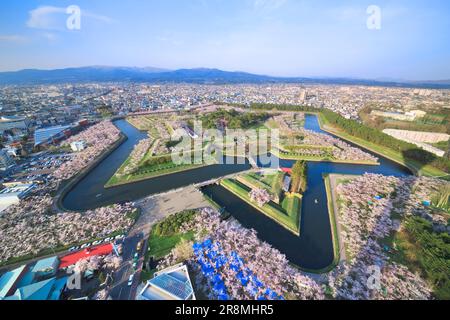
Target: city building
(78,146)
(33,282)
(72,258)
(407,116)
(9,280)
(420,139)
(12,122)
(6,160)
(50,289)
(13,193)
(172,283)
(286,183)
(49,135)
(46,267)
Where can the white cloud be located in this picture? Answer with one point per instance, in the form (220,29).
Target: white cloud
(45,17)
(54,18)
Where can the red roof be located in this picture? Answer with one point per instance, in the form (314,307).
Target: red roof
(287,170)
(73,258)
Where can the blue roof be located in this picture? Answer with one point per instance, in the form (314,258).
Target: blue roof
(43,135)
(58,288)
(36,291)
(26,279)
(176,287)
(8,280)
(45,264)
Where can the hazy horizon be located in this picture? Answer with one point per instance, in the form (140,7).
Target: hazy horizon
(285,38)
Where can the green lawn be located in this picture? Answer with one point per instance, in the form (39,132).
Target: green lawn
(160,246)
(294,156)
(289,220)
(150,171)
(272,182)
(334,227)
(443,145)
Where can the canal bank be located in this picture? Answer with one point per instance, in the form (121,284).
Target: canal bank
(89,191)
(312,250)
(70,184)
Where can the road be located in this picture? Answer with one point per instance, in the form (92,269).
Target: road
(153,210)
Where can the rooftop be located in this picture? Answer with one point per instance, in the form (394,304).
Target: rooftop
(170,284)
(45,264)
(17,189)
(45,290)
(8,280)
(43,135)
(11,118)
(73,258)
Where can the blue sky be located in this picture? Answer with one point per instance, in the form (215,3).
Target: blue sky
(276,37)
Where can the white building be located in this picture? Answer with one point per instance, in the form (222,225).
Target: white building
(172,283)
(6,160)
(418,139)
(78,146)
(9,123)
(13,193)
(12,151)
(408,116)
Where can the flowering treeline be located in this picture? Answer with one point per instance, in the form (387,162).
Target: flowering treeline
(260,196)
(97,139)
(213,262)
(138,153)
(365,214)
(267,264)
(340,150)
(29,227)
(109,262)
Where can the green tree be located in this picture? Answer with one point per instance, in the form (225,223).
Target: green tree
(299,175)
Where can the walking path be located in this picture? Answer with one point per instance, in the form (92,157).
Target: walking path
(334,178)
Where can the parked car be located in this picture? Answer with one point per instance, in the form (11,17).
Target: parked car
(130,280)
(139,245)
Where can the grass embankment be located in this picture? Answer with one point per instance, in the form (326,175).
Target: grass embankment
(424,251)
(273,183)
(165,236)
(293,156)
(414,166)
(149,168)
(418,167)
(332,211)
(289,220)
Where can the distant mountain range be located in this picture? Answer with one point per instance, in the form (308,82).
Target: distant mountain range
(198,76)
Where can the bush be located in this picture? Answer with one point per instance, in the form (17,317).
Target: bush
(432,256)
(409,151)
(172,224)
(356,129)
(233,118)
